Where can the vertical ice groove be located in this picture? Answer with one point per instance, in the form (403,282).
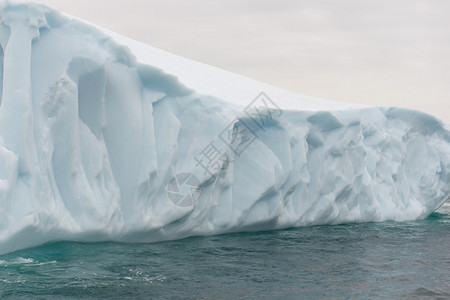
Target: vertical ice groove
(1,73)
(24,23)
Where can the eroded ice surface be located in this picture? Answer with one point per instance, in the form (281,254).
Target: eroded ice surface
(104,138)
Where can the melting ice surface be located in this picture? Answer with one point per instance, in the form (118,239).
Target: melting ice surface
(104,138)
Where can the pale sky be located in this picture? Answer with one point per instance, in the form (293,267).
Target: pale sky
(378,52)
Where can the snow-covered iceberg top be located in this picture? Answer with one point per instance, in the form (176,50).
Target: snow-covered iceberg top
(104,138)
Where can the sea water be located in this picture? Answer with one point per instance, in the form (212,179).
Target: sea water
(375,260)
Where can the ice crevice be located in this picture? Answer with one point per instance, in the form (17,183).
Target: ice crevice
(102,138)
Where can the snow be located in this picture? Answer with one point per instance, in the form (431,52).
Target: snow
(104,138)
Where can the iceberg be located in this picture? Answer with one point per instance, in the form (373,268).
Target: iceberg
(103,138)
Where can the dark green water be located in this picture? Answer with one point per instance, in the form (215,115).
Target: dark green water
(384,260)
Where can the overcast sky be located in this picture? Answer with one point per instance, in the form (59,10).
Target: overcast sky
(380,52)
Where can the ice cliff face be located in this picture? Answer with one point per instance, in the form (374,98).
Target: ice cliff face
(96,144)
